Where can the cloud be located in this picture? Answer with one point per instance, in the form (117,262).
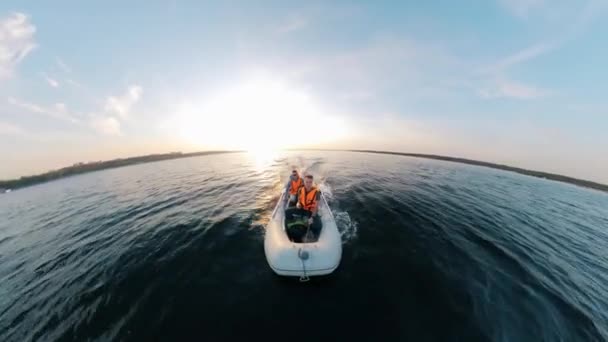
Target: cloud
(73,83)
(57,111)
(521,56)
(116,108)
(64,67)
(357,95)
(121,105)
(293,24)
(107,125)
(16,42)
(367,72)
(577,16)
(106,121)
(9,129)
(52,82)
(360,78)
(500,86)
(61,107)
(522,8)
(589,13)
(503,88)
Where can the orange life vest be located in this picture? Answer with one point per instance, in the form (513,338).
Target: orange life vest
(295,186)
(308,200)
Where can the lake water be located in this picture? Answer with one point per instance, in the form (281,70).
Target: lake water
(432,251)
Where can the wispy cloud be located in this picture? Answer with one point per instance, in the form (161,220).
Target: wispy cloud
(590,12)
(16,42)
(497,84)
(107,125)
(364,72)
(51,81)
(521,56)
(121,105)
(73,83)
(116,109)
(61,64)
(293,24)
(569,15)
(57,111)
(577,16)
(521,8)
(504,88)
(106,121)
(420,69)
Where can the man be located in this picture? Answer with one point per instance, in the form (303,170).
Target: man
(306,208)
(308,198)
(294,183)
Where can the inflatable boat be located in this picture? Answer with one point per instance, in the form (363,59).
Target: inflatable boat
(310,253)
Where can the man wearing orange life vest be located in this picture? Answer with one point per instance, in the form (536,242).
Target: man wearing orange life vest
(294,184)
(308,198)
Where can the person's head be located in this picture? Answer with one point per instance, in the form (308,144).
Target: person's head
(294,174)
(308,181)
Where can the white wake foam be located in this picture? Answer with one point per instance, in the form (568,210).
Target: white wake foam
(348,228)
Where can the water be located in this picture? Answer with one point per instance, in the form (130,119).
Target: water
(433,251)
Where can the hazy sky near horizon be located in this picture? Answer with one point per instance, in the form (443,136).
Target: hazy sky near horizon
(520,82)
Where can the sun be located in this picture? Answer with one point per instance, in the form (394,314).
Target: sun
(259,115)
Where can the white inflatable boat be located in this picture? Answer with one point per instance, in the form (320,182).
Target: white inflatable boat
(314,256)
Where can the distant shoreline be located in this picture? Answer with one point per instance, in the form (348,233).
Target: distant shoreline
(81,168)
(537,174)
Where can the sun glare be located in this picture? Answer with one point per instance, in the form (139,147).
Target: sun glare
(260,116)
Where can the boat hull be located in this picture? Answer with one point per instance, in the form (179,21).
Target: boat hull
(287,258)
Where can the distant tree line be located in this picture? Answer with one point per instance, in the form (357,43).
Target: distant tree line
(80,168)
(539,174)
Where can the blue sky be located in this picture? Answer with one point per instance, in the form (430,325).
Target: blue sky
(521,82)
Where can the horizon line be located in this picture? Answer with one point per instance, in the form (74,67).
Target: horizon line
(178,154)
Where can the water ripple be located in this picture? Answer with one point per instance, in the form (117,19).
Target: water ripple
(432,251)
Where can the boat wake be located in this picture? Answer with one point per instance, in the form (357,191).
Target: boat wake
(346,226)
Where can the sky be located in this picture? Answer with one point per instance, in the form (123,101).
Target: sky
(518,82)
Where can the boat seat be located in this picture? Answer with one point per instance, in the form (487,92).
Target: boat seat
(298,231)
